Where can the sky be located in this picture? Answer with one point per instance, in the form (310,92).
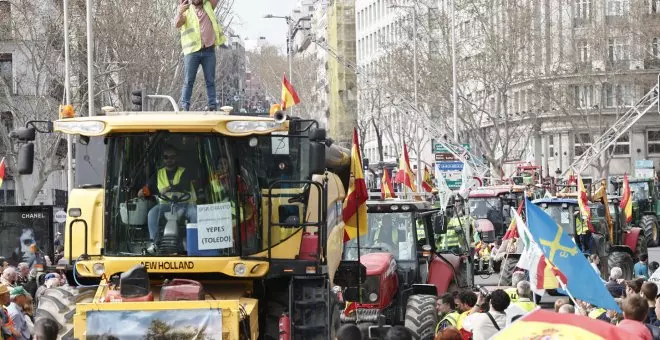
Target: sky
(250,22)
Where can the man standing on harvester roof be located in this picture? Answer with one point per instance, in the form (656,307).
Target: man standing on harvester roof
(200,34)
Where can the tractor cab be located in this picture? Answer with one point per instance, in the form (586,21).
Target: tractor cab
(645,206)
(490,208)
(401,268)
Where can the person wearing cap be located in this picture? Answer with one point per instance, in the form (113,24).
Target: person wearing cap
(19,297)
(7,327)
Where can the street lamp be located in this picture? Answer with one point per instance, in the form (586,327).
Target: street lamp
(289,46)
(414,10)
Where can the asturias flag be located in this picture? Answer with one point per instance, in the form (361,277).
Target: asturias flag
(355,204)
(626,201)
(3,170)
(289,95)
(560,250)
(386,189)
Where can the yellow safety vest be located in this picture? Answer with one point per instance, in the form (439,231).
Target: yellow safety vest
(164,182)
(580,227)
(451,318)
(596,313)
(421,233)
(527,306)
(191,36)
(461,318)
(219,190)
(513,294)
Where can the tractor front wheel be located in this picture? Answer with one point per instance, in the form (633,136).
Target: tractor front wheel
(421,316)
(649,225)
(622,260)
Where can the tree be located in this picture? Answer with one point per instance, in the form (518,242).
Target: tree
(34,91)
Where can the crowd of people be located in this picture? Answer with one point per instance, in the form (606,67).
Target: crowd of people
(21,286)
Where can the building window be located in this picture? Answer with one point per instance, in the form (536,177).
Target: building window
(551,146)
(653,141)
(583,96)
(6,70)
(582,143)
(655,48)
(622,147)
(5,19)
(583,9)
(654,6)
(617,49)
(618,7)
(584,54)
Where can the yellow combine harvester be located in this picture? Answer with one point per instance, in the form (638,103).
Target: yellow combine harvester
(198,225)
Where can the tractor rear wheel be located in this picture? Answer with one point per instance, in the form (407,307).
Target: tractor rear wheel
(421,316)
(622,260)
(509,264)
(649,225)
(59,304)
(641,246)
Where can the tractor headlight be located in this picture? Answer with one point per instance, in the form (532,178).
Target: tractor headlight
(373,297)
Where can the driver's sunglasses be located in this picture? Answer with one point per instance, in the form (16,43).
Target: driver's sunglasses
(169,156)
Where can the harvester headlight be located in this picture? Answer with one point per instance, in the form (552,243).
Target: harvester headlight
(252,126)
(240,269)
(373,297)
(89,127)
(98,269)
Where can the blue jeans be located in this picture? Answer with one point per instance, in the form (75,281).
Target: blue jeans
(191,62)
(158,212)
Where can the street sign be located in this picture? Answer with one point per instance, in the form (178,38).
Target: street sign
(439,148)
(644,173)
(60,216)
(643,164)
(450,166)
(445,156)
(454,185)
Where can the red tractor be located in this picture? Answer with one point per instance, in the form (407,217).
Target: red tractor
(402,273)
(490,208)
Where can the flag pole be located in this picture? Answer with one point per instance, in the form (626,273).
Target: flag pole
(563,286)
(357,224)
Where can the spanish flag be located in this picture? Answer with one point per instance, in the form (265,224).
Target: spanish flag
(583,203)
(386,189)
(405,174)
(3,169)
(512,232)
(626,201)
(355,204)
(427,183)
(289,95)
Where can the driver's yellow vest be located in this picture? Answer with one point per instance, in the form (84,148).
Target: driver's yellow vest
(580,227)
(191,36)
(163,182)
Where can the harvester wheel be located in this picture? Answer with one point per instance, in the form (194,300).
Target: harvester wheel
(421,316)
(506,270)
(649,224)
(622,260)
(59,304)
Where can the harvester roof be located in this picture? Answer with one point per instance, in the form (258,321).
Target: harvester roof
(233,125)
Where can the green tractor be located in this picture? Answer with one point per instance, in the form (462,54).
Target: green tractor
(646,206)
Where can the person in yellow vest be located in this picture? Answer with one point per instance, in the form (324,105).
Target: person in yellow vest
(512,291)
(525,296)
(171,180)
(451,239)
(200,34)
(465,302)
(446,307)
(582,234)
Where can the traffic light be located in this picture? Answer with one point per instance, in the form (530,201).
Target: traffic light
(139,100)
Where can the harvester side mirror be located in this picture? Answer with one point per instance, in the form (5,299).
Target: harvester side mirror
(316,158)
(24,134)
(26,159)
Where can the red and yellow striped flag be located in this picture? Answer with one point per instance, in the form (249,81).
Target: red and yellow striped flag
(386,189)
(289,95)
(405,174)
(3,170)
(583,203)
(626,200)
(355,204)
(427,183)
